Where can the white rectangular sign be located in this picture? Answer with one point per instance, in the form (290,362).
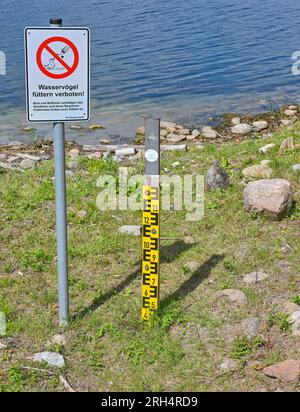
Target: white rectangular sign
(57,74)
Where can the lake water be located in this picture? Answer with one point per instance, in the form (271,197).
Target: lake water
(182,60)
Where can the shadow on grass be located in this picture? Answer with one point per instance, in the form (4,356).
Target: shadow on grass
(168,253)
(198,276)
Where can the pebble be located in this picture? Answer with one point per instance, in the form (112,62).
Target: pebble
(251,327)
(208,132)
(82,214)
(184,131)
(287,371)
(229,365)
(59,340)
(289,112)
(74,153)
(175,164)
(95,155)
(234,295)
(131,230)
(259,125)
(266,148)
(51,358)
(196,133)
(217,177)
(296,168)
(27,164)
(2,324)
(255,277)
(128,151)
(241,128)
(235,121)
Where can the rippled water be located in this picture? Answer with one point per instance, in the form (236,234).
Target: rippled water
(183,60)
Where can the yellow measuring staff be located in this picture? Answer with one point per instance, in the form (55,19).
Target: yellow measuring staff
(150,251)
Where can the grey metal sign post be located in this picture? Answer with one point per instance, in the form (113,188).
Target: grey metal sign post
(61,213)
(151,221)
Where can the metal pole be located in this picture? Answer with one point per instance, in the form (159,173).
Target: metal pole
(61,213)
(151,221)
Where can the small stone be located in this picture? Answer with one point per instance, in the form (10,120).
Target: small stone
(190,137)
(73,165)
(164,133)
(208,132)
(272,196)
(287,144)
(258,171)
(292,107)
(104,141)
(286,122)
(166,125)
(217,177)
(287,371)
(265,162)
(235,121)
(12,159)
(184,131)
(296,168)
(68,173)
(127,151)
(296,329)
(255,277)
(241,128)
(175,164)
(51,358)
(140,130)
(3,156)
(2,324)
(174,138)
(59,340)
(74,153)
(295,317)
(229,365)
(95,126)
(234,295)
(289,112)
(266,148)
(290,308)
(191,266)
(251,327)
(196,133)
(259,125)
(95,155)
(82,214)
(75,126)
(27,164)
(131,230)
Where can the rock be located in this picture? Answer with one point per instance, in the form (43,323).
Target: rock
(95,126)
(241,128)
(166,125)
(287,371)
(294,317)
(296,329)
(229,365)
(82,214)
(75,126)
(234,295)
(192,266)
(190,137)
(104,141)
(199,145)
(175,164)
(27,164)
(72,165)
(15,143)
(272,196)
(286,122)
(30,157)
(51,358)
(171,129)
(258,171)
(140,130)
(296,168)
(164,133)
(208,132)
(2,324)
(251,327)
(287,144)
(6,165)
(68,173)
(259,125)
(171,148)
(235,121)
(265,162)
(95,155)
(290,308)
(184,131)
(174,138)
(74,153)
(266,148)
(131,230)
(59,340)
(12,159)
(217,177)
(289,112)
(3,156)
(196,133)
(127,151)
(292,107)
(255,277)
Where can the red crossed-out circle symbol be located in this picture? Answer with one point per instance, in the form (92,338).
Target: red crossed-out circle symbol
(46,46)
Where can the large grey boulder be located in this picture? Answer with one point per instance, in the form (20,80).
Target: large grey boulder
(216,177)
(272,196)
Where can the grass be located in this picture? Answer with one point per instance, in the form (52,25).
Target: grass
(108,348)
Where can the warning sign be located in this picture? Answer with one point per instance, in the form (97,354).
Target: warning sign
(57,74)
